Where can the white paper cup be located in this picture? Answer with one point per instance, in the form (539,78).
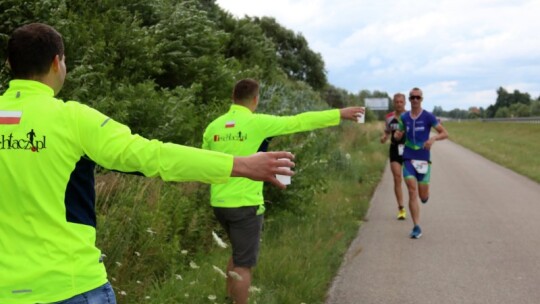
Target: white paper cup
(362,117)
(284,179)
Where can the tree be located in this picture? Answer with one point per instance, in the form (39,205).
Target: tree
(295,57)
(255,52)
(535,108)
(190,48)
(458,114)
(335,97)
(438,111)
(502,112)
(519,110)
(505,99)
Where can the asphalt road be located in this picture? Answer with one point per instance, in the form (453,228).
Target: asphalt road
(480,243)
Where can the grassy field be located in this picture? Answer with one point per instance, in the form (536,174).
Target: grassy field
(141,221)
(513,145)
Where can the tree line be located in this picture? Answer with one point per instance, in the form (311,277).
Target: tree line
(165,67)
(514,104)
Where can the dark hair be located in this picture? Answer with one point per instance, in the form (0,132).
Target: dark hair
(32,48)
(416,89)
(245,90)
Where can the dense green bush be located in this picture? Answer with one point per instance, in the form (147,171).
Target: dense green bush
(166,68)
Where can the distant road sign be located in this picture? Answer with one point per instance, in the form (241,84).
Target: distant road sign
(377,103)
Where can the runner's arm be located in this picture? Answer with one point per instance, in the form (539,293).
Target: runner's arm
(441,134)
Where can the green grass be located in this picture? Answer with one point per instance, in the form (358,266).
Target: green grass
(154,230)
(512,145)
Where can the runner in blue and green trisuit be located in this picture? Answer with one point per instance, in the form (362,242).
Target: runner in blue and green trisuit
(48,151)
(416,126)
(238,204)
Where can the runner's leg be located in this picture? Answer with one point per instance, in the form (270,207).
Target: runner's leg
(396,172)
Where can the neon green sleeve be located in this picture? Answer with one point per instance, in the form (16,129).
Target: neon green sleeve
(278,125)
(113,146)
(205,143)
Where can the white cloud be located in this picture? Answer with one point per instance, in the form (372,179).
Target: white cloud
(459,50)
(444,87)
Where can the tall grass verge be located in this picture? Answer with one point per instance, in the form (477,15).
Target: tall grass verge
(157,237)
(512,145)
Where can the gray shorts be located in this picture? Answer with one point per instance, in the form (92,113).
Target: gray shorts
(243,227)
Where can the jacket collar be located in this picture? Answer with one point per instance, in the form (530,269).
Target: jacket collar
(23,86)
(239,108)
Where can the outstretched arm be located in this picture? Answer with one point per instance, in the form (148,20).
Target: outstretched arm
(351,113)
(264,166)
(113,146)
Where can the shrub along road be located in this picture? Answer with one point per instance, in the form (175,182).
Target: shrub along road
(480,243)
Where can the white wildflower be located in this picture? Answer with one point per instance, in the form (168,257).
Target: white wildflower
(147,297)
(114,279)
(123,293)
(192,282)
(218,240)
(184,252)
(139,282)
(186,295)
(193,265)
(118,263)
(348,156)
(235,276)
(178,277)
(254,289)
(137,253)
(219,271)
(212,297)
(149,230)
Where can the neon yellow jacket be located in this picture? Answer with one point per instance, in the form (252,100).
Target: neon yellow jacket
(47,218)
(240,132)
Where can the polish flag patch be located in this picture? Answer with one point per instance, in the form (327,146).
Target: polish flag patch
(230,124)
(10,117)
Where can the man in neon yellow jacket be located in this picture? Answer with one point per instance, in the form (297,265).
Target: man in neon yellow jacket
(48,150)
(238,204)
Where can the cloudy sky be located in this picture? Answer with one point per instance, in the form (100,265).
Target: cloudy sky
(458,51)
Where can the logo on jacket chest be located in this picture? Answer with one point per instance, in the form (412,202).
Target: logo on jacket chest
(232,136)
(32,142)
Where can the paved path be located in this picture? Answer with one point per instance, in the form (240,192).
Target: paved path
(480,243)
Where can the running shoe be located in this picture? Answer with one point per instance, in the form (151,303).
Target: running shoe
(402,214)
(416,233)
(424,201)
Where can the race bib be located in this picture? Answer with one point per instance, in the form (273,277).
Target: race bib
(400,148)
(421,166)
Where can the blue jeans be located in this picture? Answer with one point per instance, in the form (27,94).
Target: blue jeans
(102,295)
